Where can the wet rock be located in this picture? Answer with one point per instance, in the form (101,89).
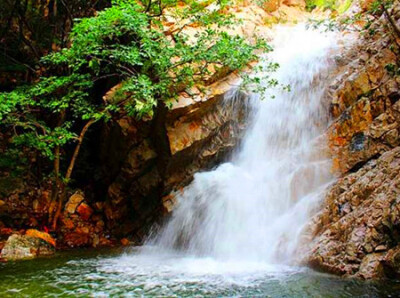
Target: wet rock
(85,211)
(391,263)
(355,233)
(348,242)
(169,202)
(357,142)
(198,131)
(19,247)
(41,235)
(125,242)
(78,239)
(371,267)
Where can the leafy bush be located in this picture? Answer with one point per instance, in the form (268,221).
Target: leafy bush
(337,5)
(127,43)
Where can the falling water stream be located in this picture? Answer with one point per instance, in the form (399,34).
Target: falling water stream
(254,207)
(237,230)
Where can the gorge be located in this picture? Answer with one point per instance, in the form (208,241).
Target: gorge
(236,193)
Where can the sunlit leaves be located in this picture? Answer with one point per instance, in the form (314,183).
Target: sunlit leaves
(129,43)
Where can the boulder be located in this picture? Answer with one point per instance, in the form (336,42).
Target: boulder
(371,267)
(125,242)
(41,235)
(73,202)
(359,219)
(85,211)
(20,247)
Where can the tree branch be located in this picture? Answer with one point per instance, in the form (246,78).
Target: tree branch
(390,19)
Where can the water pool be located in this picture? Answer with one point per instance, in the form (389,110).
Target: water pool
(100,273)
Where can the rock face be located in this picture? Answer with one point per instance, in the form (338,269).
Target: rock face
(147,162)
(160,156)
(361,220)
(19,247)
(357,231)
(82,225)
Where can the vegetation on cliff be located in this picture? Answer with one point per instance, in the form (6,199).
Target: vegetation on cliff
(128,43)
(337,5)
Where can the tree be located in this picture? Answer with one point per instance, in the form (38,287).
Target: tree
(126,43)
(29,29)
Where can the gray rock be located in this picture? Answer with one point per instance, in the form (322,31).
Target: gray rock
(20,247)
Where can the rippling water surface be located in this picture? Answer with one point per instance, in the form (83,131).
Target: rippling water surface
(133,274)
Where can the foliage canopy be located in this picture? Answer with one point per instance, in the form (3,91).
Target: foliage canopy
(131,43)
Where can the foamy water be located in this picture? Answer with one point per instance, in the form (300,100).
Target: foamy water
(241,224)
(255,207)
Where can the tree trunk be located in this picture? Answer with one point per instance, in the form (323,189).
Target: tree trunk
(391,21)
(56,184)
(61,197)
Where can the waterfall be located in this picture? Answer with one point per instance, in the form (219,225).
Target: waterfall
(256,206)
(239,228)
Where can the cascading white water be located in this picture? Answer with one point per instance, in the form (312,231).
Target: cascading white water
(255,207)
(237,229)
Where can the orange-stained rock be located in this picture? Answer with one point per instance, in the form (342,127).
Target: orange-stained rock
(297,3)
(105,242)
(69,224)
(357,220)
(271,5)
(371,266)
(82,230)
(6,231)
(169,203)
(125,242)
(42,235)
(85,211)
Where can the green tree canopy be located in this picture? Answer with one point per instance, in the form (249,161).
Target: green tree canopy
(127,43)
